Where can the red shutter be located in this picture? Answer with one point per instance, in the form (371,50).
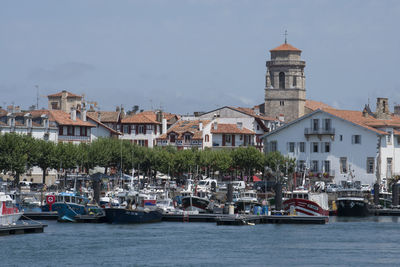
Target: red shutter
(129,129)
(233,140)
(223,140)
(137,129)
(60,130)
(146,143)
(144,128)
(135,142)
(245,139)
(155,129)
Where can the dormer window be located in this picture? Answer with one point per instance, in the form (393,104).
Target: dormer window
(172,138)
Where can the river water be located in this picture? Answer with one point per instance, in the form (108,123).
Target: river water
(342,242)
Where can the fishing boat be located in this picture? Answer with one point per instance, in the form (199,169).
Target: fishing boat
(247,201)
(195,202)
(134,212)
(70,204)
(9,213)
(351,200)
(306,203)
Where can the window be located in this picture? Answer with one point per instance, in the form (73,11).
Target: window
(343,165)
(327,147)
(341,138)
(291,147)
(83,131)
(258,127)
(327,124)
(389,138)
(60,130)
(142,142)
(327,166)
(294,81)
(356,139)
(274,146)
(54,105)
(172,138)
(389,167)
(314,166)
(315,124)
(141,129)
(281,103)
(302,147)
(282,80)
(126,130)
(70,130)
(187,138)
(228,138)
(207,138)
(314,147)
(370,165)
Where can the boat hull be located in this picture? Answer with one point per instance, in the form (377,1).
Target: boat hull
(304,207)
(67,211)
(197,203)
(352,208)
(9,219)
(125,216)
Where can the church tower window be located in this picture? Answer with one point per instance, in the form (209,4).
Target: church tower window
(281,80)
(294,81)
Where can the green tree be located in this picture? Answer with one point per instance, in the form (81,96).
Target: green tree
(46,157)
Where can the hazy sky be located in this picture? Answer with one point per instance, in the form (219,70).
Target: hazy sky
(195,55)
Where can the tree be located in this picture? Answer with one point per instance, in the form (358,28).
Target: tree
(46,156)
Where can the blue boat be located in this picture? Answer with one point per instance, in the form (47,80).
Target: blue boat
(70,205)
(138,215)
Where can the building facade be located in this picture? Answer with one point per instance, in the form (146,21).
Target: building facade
(334,143)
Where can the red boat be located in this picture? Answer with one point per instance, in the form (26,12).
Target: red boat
(305,203)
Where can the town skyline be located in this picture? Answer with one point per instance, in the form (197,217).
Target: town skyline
(197,56)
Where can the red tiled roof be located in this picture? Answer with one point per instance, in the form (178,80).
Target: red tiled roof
(314,105)
(223,128)
(356,117)
(182,127)
(285,47)
(105,116)
(63,118)
(149,117)
(102,124)
(68,95)
(396,132)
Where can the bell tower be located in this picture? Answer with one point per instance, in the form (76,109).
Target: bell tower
(285,90)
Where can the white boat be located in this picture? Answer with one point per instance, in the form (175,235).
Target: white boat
(167,205)
(9,213)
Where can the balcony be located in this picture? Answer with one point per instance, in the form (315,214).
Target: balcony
(319,132)
(74,138)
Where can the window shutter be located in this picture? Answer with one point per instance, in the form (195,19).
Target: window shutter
(233,140)
(144,129)
(155,129)
(137,129)
(353,137)
(223,140)
(129,129)
(311,148)
(146,143)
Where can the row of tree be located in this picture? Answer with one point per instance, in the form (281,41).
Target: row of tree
(19,153)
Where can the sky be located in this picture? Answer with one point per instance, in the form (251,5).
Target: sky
(195,55)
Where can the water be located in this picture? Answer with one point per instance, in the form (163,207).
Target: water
(342,242)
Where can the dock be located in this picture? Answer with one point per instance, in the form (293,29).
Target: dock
(22,228)
(226,219)
(39,216)
(385,212)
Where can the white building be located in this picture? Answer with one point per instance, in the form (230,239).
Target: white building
(330,142)
(243,121)
(143,128)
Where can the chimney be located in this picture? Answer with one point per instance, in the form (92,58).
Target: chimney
(159,116)
(83,114)
(239,125)
(117,109)
(382,108)
(28,120)
(164,125)
(397,110)
(200,126)
(99,116)
(73,114)
(63,103)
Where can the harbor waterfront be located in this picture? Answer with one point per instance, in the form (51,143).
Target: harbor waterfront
(341,242)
